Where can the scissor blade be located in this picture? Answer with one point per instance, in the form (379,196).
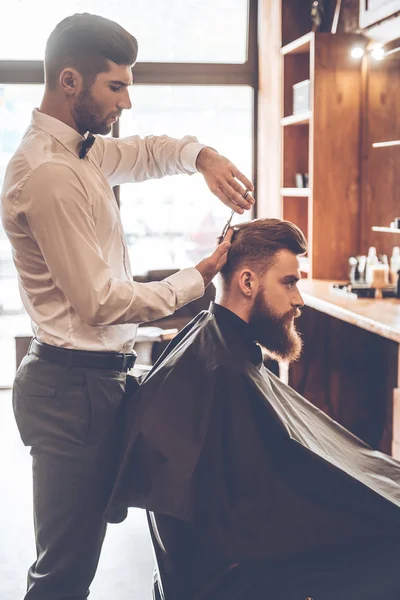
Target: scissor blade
(225,229)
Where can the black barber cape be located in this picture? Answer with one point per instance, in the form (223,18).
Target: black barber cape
(213,439)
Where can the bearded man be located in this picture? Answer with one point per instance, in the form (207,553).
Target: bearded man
(253,491)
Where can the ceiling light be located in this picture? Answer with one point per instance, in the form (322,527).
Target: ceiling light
(378,53)
(357,52)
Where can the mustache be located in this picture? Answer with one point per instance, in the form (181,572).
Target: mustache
(293,314)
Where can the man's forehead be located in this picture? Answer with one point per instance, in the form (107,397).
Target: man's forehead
(286,263)
(122,73)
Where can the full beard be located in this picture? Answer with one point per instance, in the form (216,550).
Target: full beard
(277,334)
(87,115)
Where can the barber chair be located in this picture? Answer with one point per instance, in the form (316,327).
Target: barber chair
(368,573)
(184,573)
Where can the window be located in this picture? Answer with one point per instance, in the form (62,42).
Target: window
(16,103)
(174,222)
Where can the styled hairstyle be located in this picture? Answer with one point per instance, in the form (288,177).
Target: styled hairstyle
(256,243)
(85,42)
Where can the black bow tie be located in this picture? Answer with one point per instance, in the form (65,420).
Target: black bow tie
(85,145)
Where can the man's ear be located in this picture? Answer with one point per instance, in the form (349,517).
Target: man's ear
(248,283)
(70,81)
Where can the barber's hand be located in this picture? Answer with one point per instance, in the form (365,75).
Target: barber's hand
(223,179)
(212,265)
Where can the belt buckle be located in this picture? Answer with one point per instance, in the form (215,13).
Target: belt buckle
(129,361)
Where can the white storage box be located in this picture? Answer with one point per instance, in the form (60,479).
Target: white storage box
(301,97)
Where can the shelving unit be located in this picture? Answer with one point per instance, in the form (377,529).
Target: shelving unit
(380,153)
(386,145)
(323,142)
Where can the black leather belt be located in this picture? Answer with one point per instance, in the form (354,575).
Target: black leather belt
(110,361)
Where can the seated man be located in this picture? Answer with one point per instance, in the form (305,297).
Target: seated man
(248,482)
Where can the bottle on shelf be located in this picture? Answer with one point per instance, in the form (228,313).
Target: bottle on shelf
(362,263)
(398,285)
(372,260)
(394,265)
(380,277)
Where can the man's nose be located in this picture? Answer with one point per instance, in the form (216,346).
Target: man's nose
(298,301)
(125,103)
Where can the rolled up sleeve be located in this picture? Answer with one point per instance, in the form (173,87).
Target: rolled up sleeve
(134,159)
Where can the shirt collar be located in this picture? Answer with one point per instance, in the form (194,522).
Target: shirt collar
(63,133)
(230,320)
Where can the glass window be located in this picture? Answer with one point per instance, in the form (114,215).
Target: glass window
(212,31)
(174,222)
(16,104)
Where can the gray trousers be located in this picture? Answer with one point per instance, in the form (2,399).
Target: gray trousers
(71,419)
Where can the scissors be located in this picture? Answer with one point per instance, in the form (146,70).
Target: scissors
(228,223)
(226,227)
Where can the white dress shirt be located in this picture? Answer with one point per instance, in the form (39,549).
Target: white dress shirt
(64,224)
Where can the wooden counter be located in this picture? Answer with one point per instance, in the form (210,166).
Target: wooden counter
(349,367)
(378,316)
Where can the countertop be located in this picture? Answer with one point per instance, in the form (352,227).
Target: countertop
(378,316)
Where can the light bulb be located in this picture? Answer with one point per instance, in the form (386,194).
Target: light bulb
(357,52)
(378,53)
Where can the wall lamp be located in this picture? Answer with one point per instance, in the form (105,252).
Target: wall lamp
(376,51)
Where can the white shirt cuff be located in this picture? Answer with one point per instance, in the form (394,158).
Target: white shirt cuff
(189,156)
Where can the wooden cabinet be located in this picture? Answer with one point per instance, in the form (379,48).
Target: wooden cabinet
(323,142)
(349,367)
(381,164)
(372,11)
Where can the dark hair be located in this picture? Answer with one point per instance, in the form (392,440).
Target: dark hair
(86,42)
(255,243)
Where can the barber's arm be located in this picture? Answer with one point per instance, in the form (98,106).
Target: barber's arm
(131,159)
(60,217)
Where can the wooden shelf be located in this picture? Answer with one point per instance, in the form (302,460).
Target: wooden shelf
(335,104)
(299,46)
(295,192)
(386,144)
(386,229)
(300,119)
